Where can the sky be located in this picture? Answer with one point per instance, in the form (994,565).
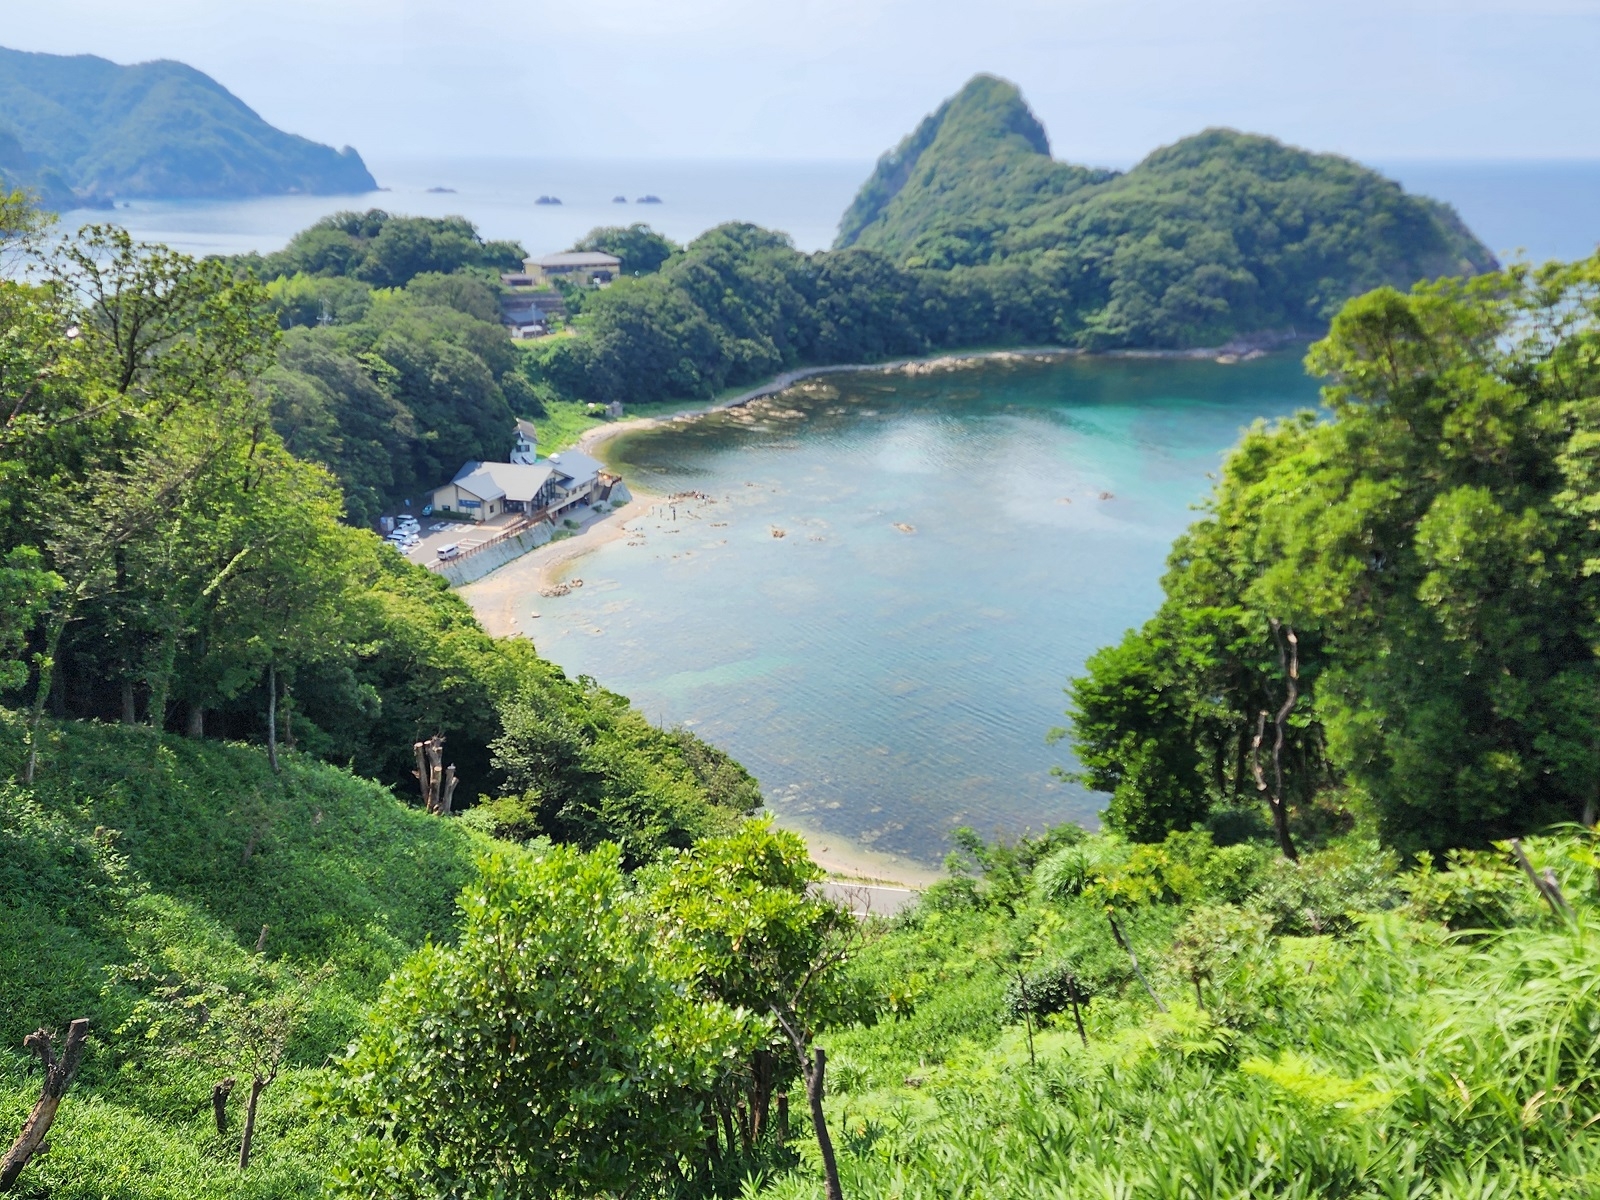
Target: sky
(846,79)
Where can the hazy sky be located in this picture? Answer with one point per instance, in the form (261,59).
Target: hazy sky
(845,79)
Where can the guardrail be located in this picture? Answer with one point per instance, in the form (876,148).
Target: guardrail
(504,534)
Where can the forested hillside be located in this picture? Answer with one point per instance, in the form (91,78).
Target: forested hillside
(394,368)
(1402,596)
(82,130)
(1219,234)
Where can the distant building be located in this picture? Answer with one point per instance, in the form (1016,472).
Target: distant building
(542,489)
(529,313)
(576,266)
(485,490)
(525,447)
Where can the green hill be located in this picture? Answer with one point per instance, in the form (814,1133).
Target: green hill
(81,129)
(1219,234)
(162,858)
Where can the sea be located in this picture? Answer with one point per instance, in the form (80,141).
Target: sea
(1538,209)
(873,589)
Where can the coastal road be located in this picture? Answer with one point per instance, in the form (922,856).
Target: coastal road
(868,899)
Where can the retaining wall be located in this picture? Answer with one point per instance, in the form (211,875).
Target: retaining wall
(479,563)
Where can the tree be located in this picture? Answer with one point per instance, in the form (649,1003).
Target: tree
(1403,588)
(547,1054)
(245,1029)
(641,249)
(741,918)
(58,1076)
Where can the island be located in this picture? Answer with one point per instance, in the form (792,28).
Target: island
(84,131)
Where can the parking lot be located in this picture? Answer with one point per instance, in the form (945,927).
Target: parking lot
(435,533)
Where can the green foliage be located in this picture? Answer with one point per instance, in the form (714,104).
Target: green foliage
(1219,234)
(587,768)
(396,368)
(1383,1058)
(641,249)
(568,1062)
(1428,546)
(387,251)
(81,128)
(144,875)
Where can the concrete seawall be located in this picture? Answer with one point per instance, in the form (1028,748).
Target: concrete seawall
(476,566)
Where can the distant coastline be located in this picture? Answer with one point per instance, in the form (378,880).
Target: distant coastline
(1247,344)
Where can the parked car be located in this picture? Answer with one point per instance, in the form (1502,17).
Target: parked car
(449,552)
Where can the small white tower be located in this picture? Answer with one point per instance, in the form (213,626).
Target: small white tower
(526,448)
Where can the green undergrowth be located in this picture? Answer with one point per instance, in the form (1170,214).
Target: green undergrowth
(1341,1028)
(140,862)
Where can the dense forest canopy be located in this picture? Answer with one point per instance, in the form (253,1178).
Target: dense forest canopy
(1220,234)
(168,561)
(81,129)
(394,368)
(1425,556)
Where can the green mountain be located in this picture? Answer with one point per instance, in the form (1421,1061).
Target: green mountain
(81,129)
(1222,232)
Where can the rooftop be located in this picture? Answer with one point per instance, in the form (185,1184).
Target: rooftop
(575,465)
(494,480)
(576,258)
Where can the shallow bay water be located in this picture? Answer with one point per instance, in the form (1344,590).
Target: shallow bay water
(954,545)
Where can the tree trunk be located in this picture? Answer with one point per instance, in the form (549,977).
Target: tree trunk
(130,715)
(727,1126)
(58,1075)
(257,1084)
(272,715)
(1116,932)
(1289,663)
(197,721)
(161,681)
(742,1110)
(47,679)
(783,1118)
(1077,1016)
(219,1102)
(814,1086)
(1027,1018)
(761,1073)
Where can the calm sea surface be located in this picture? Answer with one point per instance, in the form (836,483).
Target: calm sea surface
(1548,209)
(954,546)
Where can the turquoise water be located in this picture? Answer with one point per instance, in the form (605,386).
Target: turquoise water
(886,684)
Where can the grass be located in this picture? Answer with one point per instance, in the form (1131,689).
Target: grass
(1389,1056)
(135,848)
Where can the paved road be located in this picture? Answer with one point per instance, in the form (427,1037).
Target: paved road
(868,899)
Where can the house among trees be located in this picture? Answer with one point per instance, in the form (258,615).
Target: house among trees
(528,314)
(541,490)
(584,267)
(525,446)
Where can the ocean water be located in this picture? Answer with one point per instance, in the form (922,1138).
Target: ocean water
(954,546)
(1536,210)
(1548,209)
(803,199)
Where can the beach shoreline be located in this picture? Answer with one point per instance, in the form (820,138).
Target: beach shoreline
(547,562)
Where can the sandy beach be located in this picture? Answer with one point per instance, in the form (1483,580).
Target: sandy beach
(507,600)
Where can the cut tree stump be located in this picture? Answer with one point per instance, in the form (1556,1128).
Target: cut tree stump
(58,1075)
